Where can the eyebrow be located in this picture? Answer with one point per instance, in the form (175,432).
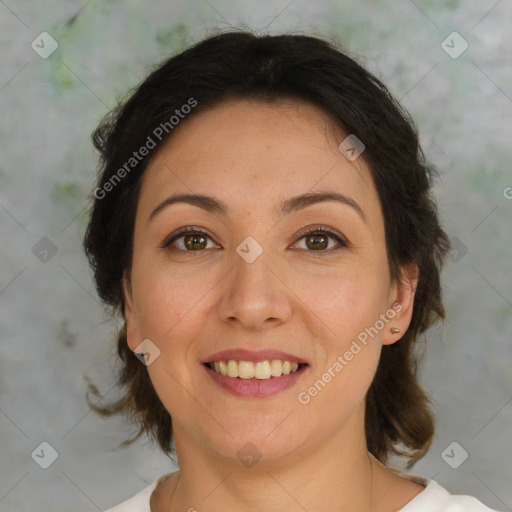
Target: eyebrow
(214,205)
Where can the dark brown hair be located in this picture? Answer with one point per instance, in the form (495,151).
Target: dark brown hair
(268,68)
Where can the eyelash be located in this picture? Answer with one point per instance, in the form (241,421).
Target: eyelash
(317,230)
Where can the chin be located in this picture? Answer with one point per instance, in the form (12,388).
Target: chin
(259,442)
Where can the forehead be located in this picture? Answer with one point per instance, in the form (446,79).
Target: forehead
(255,152)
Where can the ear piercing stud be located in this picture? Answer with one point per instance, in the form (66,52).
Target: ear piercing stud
(394,330)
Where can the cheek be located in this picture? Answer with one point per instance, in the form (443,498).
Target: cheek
(345,309)
(169,299)
(340,388)
(347,364)
(345,301)
(171,308)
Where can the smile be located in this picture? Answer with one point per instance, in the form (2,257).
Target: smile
(260,379)
(261,370)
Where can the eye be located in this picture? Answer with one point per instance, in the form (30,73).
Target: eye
(189,239)
(317,240)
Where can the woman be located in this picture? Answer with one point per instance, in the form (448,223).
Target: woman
(263,222)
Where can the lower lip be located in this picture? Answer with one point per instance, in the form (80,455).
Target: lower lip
(255,388)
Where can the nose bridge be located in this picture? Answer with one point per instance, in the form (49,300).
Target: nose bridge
(253,293)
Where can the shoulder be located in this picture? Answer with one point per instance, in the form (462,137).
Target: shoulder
(435,497)
(140,501)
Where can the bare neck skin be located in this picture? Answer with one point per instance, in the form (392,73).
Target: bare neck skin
(335,475)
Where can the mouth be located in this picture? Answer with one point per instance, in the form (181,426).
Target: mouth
(254,379)
(259,370)
(254,374)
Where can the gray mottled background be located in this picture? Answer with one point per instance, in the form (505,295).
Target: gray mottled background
(54,330)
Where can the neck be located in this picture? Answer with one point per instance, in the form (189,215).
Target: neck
(333,475)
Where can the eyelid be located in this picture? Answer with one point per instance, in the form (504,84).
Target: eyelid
(342,241)
(181,232)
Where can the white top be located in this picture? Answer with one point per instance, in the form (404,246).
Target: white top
(434,498)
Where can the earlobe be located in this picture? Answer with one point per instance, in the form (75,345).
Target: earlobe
(402,302)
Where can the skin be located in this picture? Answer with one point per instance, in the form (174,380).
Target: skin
(252,156)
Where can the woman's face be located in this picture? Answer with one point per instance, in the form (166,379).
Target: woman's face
(255,281)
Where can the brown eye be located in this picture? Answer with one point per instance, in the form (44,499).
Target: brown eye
(187,240)
(317,240)
(194,241)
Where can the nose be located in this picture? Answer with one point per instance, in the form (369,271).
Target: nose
(255,295)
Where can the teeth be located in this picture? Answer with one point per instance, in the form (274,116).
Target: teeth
(233,369)
(262,370)
(245,369)
(276,368)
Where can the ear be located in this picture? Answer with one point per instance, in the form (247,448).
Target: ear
(401,301)
(130,315)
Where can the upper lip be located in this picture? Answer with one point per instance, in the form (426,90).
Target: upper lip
(241,354)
